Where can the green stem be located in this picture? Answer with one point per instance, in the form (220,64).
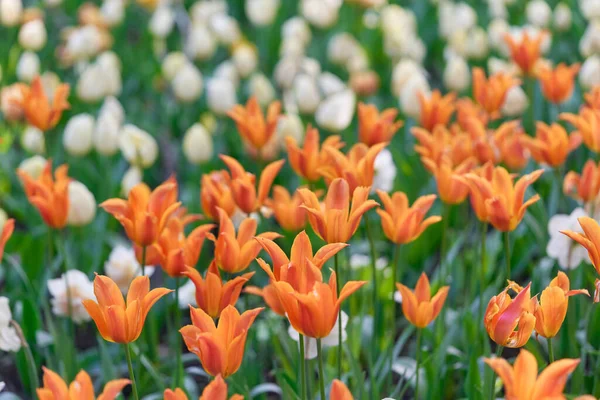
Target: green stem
(176,326)
(445,218)
(131,374)
(550,351)
(531,95)
(418,362)
(482,268)
(375,290)
(321,374)
(337,283)
(493,375)
(396,276)
(507,253)
(302,367)
(33,378)
(70,353)
(143,266)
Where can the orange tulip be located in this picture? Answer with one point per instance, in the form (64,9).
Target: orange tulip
(287,209)
(245,193)
(215,192)
(215,390)
(219,348)
(592,98)
(173,251)
(434,145)
(476,197)
(375,127)
(339,391)
(212,295)
(270,297)
(357,167)
(522,381)
(7,231)
(145,213)
(557,84)
(336,222)
(447,177)
(587,123)
(419,308)
(552,144)
(82,388)
(503,199)
(467,109)
(307,160)
(49,196)
(436,109)
(504,314)
(590,239)
(490,145)
(526,51)
(550,311)
(584,187)
(403,224)
(512,145)
(235,253)
(251,123)
(37,107)
(116,320)
(490,93)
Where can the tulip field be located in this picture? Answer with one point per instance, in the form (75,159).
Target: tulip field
(299,200)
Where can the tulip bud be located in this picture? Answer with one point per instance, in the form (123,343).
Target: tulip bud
(33,140)
(220,95)
(32,35)
(562,17)
(162,21)
(589,74)
(187,84)
(91,84)
(73,287)
(402,73)
(590,9)
(138,146)
(111,70)
(132,177)
(225,28)
(172,63)
(477,43)
(330,84)
(10,12)
(245,59)
(290,125)
(321,14)
(341,48)
(113,107)
(10,97)
(538,13)
(197,144)
(262,89)
(364,83)
(261,12)
(409,102)
(497,9)
(33,166)
(77,137)
(82,205)
(228,71)
(113,11)
(10,339)
(306,93)
(296,27)
(516,102)
(496,31)
(200,43)
(28,66)
(106,134)
(335,112)
(457,75)
(590,41)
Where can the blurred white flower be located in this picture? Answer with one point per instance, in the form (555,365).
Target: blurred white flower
(28,66)
(77,136)
(245,58)
(100,79)
(33,166)
(220,95)
(538,13)
(9,340)
(261,12)
(76,285)
(261,87)
(32,35)
(516,102)
(33,140)
(83,43)
(296,27)
(457,75)
(496,65)
(561,247)
(162,21)
(106,134)
(2,386)
(201,43)
(292,48)
(227,70)
(331,340)
(590,41)
(336,111)
(290,125)
(385,172)
(589,74)
(123,267)
(226,29)
(138,146)
(341,47)
(187,84)
(10,12)
(497,9)
(321,13)
(402,73)
(132,177)
(590,9)
(330,84)
(306,94)
(496,31)
(82,204)
(203,11)
(111,68)
(187,295)
(3,218)
(113,107)
(113,11)
(172,63)
(455,17)
(197,144)
(409,102)
(563,17)
(358,261)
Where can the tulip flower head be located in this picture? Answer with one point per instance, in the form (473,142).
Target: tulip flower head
(215,390)
(584,187)
(592,98)
(245,194)
(287,209)
(442,142)
(587,123)
(50,196)
(251,123)
(7,231)
(233,253)
(526,51)
(451,188)
(590,239)
(339,391)
(403,224)
(212,295)
(552,144)
(82,388)
(436,109)
(557,84)
(145,213)
(523,382)
(37,107)
(550,311)
(504,314)
(306,161)
(119,321)
(220,348)
(215,192)
(375,127)
(336,222)
(418,306)
(490,93)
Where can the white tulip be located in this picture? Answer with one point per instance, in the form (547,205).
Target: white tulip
(82,205)
(409,101)
(9,340)
(162,21)
(497,65)
(497,9)
(203,11)
(590,41)
(187,295)
(172,64)
(330,84)
(402,73)
(385,172)
(455,17)
(261,87)
(496,31)
(261,12)
(33,166)
(341,48)
(561,247)
(91,85)
(113,107)
(200,43)
(590,9)
(538,13)
(563,17)
(11,12)
(83,43)
(106,134)
(113,11)
(306,94)
(123,267)
(331,340)
(220,95)
(296,27)
(226,29)
(292,48)
(197,144)
(290,125)
(516,102)
(457,75)
(477,43)
(111,69)
(132,177)
(33,140)
(3,219)
(589,74)
(187,84)
(336,111)
(245,59)
(322,14)
(32,35)
(77,136)
(28,66)
(76,287)
(227,70)
(138,147)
